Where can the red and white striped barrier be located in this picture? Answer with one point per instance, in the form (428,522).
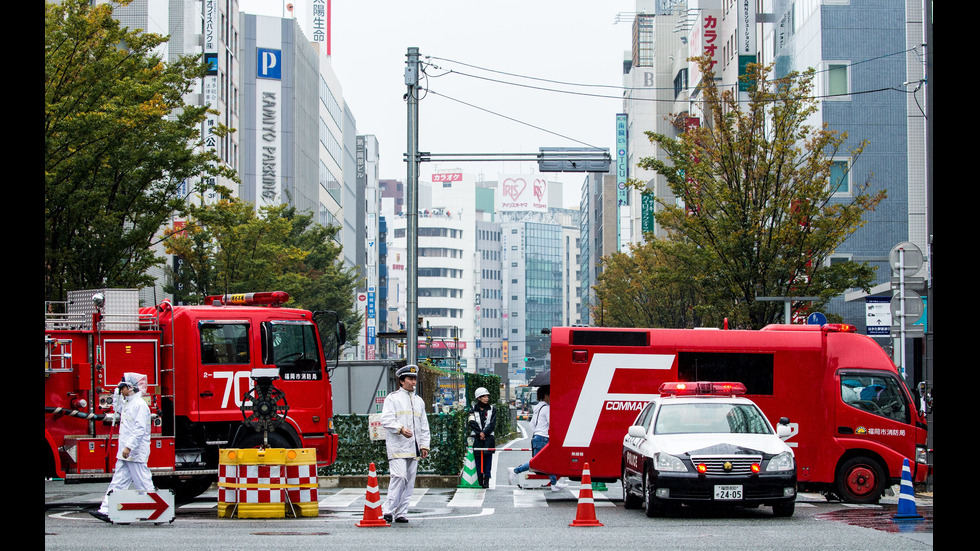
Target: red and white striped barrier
(267,483)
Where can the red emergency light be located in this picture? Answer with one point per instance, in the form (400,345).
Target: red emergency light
(839,328)
(702,388)
(270,298)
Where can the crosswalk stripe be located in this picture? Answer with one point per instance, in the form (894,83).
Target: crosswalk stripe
(529,498)
(468,497)
(342,499)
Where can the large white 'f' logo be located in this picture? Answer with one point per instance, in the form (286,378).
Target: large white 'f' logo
(595,392)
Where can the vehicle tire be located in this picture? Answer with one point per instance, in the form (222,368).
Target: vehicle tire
(652,506)
(784,509)
(253,439)
(630,501)
(185,490)
(860,480)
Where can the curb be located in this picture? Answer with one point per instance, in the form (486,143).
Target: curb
(358,481)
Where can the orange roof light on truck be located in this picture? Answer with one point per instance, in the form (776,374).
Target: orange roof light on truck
(271,298)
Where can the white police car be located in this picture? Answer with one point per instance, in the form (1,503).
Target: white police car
(701,442)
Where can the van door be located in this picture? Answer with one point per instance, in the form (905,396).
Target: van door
(225,368)
(875,406)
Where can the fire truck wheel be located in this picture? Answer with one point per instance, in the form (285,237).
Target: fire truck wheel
(185,490)
(860,480)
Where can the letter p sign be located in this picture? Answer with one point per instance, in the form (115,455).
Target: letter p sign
(268,64)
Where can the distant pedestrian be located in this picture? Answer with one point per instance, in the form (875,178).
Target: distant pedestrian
(134,441)
(540,425)
(483,421)
(406,439)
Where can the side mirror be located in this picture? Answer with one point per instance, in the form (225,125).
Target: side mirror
(636,431)
(782,429)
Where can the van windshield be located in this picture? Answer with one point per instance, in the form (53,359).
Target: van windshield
(710,417)
(879,394)
(294,350)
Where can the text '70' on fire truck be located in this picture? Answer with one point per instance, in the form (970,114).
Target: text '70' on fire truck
(199,363)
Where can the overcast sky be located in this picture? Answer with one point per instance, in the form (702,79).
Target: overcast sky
(465,43)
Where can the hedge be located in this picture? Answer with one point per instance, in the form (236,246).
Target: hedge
(356,451)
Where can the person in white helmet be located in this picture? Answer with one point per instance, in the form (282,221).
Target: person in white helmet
(406,439)
(483,421)
(134,441)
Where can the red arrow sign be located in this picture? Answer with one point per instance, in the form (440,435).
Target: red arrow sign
(158,506)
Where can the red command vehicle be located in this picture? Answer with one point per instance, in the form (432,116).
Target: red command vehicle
(199,363)
(852,417)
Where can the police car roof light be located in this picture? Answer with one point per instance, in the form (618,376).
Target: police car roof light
(702,388)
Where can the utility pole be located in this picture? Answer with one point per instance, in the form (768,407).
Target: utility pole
(412,208)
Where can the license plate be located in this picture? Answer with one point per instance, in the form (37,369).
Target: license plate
(728,491)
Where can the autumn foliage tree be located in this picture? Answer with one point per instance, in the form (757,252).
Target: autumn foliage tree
(120,147)
(229,247)
(759,216)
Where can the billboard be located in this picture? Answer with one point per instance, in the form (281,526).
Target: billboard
(522,193)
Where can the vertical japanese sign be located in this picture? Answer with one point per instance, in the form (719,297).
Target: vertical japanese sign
(746,47)
(320,22)
(210,84)
(705,41)
(622,173)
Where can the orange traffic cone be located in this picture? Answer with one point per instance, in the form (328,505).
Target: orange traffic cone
(372,503)
(585,515)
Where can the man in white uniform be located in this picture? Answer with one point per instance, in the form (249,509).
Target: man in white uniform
(406,438)
(134,441)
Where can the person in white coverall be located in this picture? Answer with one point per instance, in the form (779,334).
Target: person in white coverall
(134,441)
(406,439)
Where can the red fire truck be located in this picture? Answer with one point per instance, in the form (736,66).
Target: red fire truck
(852,417)
(200,362)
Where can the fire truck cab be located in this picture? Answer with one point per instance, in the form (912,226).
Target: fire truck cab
(200,362)
(852,419)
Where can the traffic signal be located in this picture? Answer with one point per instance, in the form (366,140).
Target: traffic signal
(531,359)
(421,330)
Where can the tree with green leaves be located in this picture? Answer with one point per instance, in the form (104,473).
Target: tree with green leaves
(644,288)
(760,217)
(120,147)
(228,247)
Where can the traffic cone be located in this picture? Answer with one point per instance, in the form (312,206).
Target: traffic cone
(906,497)
(585,515)
(469,479)
(372,503)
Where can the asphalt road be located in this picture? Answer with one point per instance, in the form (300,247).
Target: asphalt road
(503,517)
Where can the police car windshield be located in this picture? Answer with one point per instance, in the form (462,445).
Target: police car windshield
(710,417)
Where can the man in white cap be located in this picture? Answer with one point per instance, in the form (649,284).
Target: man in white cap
(134,441)
(406,438)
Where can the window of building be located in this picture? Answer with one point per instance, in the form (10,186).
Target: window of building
(840,178)
(838,81)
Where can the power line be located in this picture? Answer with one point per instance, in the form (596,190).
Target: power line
(512,119)
(627,89)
